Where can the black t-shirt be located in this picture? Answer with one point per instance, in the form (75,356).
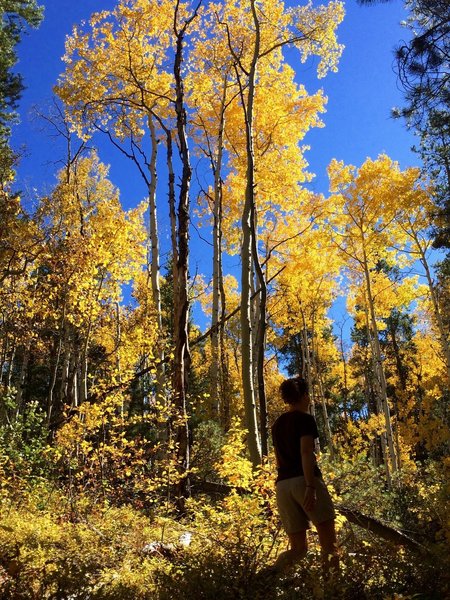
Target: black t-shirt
(286,433)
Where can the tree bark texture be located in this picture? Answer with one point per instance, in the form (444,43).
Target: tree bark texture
(181,299)
(216,362)
(380,377)
(155,261)
(246,257)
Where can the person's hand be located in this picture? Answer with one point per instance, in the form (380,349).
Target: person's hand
(309,500)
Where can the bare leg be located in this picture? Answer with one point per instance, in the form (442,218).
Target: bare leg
(327,539)
(297,551)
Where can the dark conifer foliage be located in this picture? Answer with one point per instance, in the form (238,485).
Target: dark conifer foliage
(15,15)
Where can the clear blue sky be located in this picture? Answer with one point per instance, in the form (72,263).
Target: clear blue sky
(357,123)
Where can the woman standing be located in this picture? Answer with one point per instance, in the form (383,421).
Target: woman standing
(302,496)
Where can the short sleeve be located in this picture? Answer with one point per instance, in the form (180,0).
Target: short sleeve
(308,426)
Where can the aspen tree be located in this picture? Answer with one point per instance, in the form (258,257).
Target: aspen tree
(413,220)
(248,224)
(366,232)
(181,24)
(318,377)
(307,288)
(115,83)
(21,245)
(312,31)
(59,124)
(344,362)
(140,85)
(93,248)
(212,90)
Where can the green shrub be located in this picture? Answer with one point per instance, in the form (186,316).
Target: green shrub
(23,439)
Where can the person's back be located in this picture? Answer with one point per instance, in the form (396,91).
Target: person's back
(286,433)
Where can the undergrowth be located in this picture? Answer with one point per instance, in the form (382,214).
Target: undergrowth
(104,552)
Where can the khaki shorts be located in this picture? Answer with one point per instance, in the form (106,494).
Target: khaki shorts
(290,494)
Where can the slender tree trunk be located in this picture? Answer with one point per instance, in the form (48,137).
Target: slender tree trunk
(399,365)
(308,373)
(307,357)
(172,211)
(373,391)
(84,366)
(56,364)
(153,223)
(397,394)
(181,300)
(154,260)
(72,381)
(298,354)
(254,316)
(246,255)
(443,334)
(83,373)
(246,317)
(84,362)
(344,365)
(50,397)
(326,420)
(260,341)
(378,445)
(65,370)
(10,369)
(3,363)
(380,378)
(8,357)
(225,387)
(22,378)
(118,343)
(323,403)
(263,415)
(215,370)
(161,384)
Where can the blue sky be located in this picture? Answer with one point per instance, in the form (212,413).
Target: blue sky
(358,123)
(360,95)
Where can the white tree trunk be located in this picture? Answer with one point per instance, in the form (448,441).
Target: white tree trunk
(380,377)
(443,334)
(246,257)
(155,262)
(216,362)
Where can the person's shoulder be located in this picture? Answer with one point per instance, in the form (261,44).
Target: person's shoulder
(281,419)
(310,420)
(292,415)
(308,417)
(300,415)
(306,420)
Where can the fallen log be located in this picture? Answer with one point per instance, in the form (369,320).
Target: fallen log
(387,532)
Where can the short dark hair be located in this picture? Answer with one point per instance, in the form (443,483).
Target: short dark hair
(292,390)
